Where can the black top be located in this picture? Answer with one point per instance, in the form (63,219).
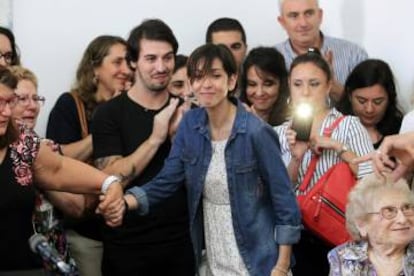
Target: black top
(118,128)
(16,207)
(64,128)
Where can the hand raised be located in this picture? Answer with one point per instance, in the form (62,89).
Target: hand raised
(162,122)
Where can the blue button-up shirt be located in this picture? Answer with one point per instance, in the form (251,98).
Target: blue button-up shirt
(263,206)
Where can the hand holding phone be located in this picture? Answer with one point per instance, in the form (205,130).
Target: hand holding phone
(302,121)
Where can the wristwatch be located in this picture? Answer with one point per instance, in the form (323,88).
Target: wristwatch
(343,149)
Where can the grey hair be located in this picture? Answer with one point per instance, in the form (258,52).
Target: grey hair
(282,1)
(362,197)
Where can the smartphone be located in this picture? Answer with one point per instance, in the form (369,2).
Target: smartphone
(302,121)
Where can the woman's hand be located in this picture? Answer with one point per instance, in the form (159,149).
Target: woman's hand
(297,148)
(112,205)
(161,126)
(394,157)
(319,143)
(279,271)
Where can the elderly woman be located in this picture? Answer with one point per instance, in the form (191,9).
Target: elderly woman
(380,218)
(23,158)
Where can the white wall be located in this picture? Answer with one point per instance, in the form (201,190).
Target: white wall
(52,34)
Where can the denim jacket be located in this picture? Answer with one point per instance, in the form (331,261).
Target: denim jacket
(263,205)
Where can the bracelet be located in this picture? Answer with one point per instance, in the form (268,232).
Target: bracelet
(281,270)
(108,182)
(342,150)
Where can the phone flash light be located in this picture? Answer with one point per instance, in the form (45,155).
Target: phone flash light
(303,110)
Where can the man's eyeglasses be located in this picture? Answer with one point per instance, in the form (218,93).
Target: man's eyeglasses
(25,100)
(10,101)
(390,212)
(8,57)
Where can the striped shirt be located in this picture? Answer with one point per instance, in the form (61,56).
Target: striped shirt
(346,55)
(349,132)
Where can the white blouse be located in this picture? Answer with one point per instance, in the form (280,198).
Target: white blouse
(349,132)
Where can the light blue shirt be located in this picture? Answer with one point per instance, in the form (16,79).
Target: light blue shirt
(346,55)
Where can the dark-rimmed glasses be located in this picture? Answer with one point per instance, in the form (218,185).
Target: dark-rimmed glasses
(24,100)
(390,212)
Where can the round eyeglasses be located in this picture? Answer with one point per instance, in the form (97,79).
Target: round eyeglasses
(390,212)
(24,100)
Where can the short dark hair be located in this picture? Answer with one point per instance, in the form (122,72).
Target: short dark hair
(368,73)
(314,56)
(224,24)
(180,62)
(15,50)
(270,61)
(152,29)
(206,54)
(8,80)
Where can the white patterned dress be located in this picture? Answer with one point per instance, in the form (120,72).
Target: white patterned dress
(223,257)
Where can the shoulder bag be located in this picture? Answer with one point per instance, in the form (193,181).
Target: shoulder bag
(323,207)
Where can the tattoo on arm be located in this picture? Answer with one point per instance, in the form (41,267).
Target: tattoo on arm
(126,178)
(102,163)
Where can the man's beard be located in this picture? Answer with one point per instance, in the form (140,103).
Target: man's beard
(157,88)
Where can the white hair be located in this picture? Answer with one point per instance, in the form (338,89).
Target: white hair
(282,1)
(364,194)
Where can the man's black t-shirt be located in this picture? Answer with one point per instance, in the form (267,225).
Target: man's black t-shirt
(119,127)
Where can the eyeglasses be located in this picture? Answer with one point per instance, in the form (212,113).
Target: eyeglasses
(7,57)
(390,212)
(11,102)
(25,100)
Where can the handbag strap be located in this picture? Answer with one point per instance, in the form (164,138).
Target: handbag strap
(81,113)
(327,132)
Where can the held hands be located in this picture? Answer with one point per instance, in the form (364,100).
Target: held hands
(112,206)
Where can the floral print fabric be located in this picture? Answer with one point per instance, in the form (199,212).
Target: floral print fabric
(351,259)
(45,221)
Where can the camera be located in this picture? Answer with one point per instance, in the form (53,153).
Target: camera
(302,121)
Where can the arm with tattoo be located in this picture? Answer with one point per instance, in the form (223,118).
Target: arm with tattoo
(131,166)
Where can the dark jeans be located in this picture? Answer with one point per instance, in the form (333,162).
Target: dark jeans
(135,261)
(311,256)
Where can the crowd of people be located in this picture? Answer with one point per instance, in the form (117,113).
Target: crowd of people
(158,163)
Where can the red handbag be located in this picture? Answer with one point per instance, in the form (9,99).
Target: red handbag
(323,207)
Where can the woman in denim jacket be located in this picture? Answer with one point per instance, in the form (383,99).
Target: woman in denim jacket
(241,205)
